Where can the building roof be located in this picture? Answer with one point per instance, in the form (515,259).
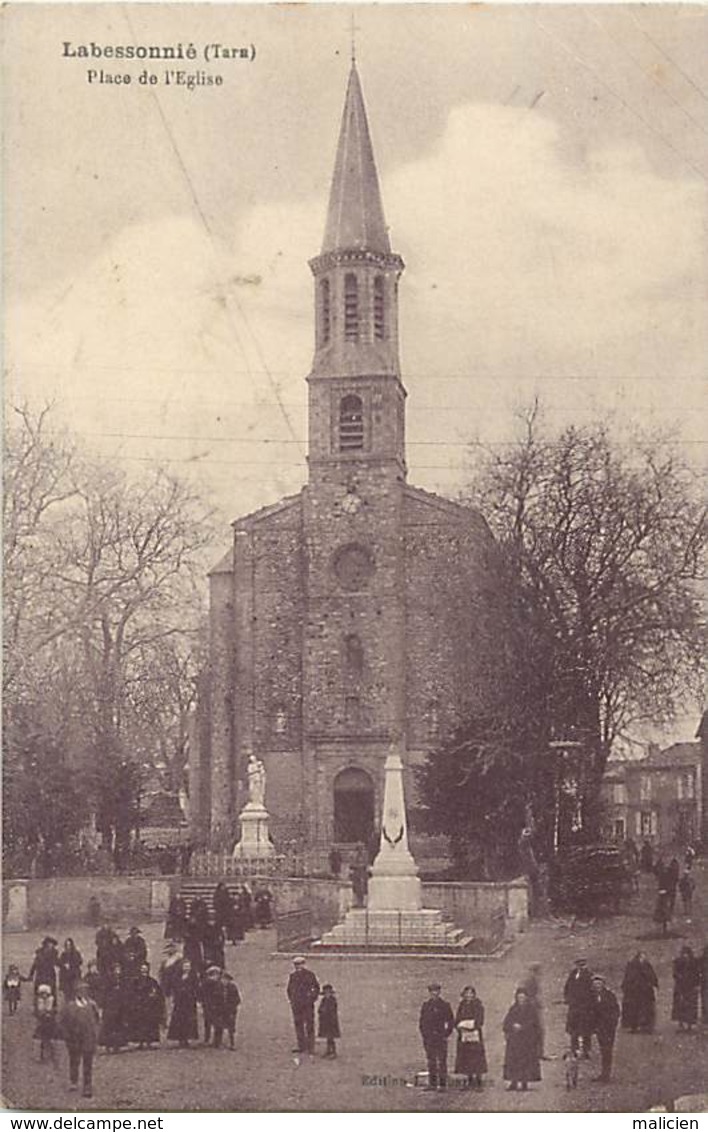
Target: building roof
(677,755)
(355,219)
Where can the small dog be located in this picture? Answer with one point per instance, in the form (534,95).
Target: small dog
(570,1057)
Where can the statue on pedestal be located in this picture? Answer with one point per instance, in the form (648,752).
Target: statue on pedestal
(255,840)
(256,772)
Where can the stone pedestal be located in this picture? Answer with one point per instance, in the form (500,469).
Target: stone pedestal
(394,918)
(394,883)
(17,916)
(254,841)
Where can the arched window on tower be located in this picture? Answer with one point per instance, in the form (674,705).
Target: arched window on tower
(379,311)
(351,423)
(325,312)
(351,308)
(353,658)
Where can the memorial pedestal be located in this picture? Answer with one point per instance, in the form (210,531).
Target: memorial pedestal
(255,841)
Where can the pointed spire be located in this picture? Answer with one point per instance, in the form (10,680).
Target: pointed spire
(355,220)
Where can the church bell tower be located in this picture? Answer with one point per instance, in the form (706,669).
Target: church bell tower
(353,654)
(356,399)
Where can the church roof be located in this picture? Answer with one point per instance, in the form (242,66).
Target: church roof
(450,506)
(355,220)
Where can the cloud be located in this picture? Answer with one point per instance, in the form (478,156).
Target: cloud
(521,262)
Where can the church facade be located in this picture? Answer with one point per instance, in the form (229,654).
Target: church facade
(357,614)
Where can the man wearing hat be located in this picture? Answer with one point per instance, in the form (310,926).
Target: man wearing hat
(604,1017)
(577,995)
(436,1024)
(303,991)
(78,1025)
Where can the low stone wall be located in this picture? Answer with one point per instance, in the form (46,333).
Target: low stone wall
(477,905)
(37,904)
(45,903)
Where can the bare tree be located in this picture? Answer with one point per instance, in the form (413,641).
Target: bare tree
(607,538)
(102,578)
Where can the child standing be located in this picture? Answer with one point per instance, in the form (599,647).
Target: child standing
(328,1018)
(46,1029)
(232,1001)
(12,988)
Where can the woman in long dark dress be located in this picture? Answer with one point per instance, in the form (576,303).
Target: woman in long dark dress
(114,1020)
(223,907)
(183,1026)
(146,1013)
(687,984)
(639,988)
(470,1057)
(238,927)
(523,1043)
(176,919)
(70,964)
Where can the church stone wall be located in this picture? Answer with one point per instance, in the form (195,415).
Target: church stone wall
(268,687)
(448,580)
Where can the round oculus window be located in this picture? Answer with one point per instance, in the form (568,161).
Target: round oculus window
(353,566)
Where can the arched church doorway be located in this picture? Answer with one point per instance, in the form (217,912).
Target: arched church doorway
(353,806)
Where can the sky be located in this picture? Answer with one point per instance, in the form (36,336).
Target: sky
(544,174)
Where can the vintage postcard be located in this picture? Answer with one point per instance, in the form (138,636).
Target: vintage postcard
(354,558)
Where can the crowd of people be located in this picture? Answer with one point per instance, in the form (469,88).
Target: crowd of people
(114,1000)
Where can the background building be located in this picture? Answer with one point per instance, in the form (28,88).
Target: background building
(658,798)
(358,613)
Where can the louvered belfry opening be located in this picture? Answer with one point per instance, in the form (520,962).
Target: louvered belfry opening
(351,423)
(351,308)
(379,314)
(325,312)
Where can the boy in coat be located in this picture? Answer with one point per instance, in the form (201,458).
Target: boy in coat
(328,1017)
(605,1013)
(232,1001)
(78,1025)
(436,1023)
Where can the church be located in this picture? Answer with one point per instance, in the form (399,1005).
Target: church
(357,615)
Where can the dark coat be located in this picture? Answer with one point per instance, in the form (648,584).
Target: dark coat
(303,989)
(79,1025)
(213,1002)
(232,1001)
(223,907)
(639,995)
(134,953)
(70,964)
(263,902)
(470,1056)
(146,1010)
(238,920)
(523,1043)
(176,918)
(193,949)
(183,1022)
(115,1019)
(213,945)
(436,1021)
(328,1017)
(109,950)
(577,994)
(44,968)
(687,983)
(604,1015)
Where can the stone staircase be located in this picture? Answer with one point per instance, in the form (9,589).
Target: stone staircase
(192,888)
(420,930)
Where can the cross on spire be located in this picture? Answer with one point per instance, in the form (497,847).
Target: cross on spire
(353,29)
